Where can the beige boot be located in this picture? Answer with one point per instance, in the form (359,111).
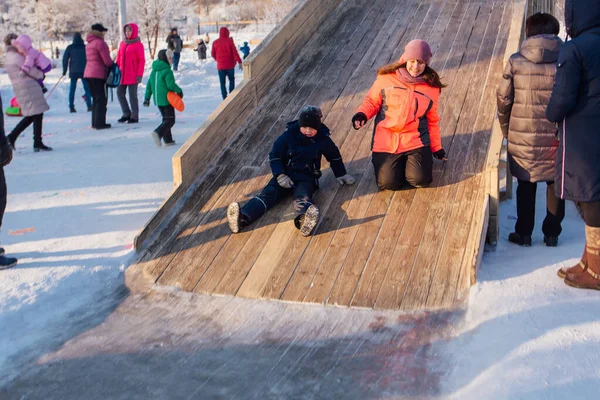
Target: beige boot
(589,278)
(575,269)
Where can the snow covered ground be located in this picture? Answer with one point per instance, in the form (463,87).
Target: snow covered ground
(73,213)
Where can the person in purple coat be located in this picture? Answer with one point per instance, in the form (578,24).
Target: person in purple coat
(97,63)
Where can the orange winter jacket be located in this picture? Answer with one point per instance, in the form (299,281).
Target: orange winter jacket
(407,116)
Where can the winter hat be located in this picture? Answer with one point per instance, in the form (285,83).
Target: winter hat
(99,28)
(310,116)
(22,43)
(417,50)
(162,55)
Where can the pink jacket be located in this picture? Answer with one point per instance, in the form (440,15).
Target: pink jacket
(130,58)
(97,55)
(33,57)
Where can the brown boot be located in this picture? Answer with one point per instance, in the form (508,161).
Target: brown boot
(575,269)
(590,277)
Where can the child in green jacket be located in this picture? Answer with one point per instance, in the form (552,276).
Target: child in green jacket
(160,83)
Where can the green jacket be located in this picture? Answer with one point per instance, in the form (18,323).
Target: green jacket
(160,83)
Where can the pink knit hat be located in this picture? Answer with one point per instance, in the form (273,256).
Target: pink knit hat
(417,50)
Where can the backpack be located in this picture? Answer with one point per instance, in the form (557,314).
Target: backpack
(114,76)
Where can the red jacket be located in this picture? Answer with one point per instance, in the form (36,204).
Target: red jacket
(130,58)
(407,116)
(224,51)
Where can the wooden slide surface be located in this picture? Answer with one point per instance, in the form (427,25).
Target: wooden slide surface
(411,249)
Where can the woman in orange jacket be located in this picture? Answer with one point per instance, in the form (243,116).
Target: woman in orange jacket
(404,100)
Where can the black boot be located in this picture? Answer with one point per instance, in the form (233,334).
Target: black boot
(123,120)
(551,241)
(2,251)
(7,262)
(132,121)
(41,147)
(521,240)
(90,108)
(72,110)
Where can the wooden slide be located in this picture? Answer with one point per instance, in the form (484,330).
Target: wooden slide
(411,249)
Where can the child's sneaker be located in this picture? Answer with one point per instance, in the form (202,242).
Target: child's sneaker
(234,217)
(311,218)
(156,138)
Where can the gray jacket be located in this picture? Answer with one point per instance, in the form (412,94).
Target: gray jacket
(523,95)
(25,86)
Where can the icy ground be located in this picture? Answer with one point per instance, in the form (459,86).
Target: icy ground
(72,215)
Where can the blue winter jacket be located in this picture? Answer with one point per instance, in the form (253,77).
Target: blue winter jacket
(299,157)
(575,104)
(74,58)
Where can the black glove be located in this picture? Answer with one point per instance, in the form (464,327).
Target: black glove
(359,117)
(180,94)
(6,154)
(146,103)
(440,154)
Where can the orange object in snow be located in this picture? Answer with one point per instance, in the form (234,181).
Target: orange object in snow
(176,101)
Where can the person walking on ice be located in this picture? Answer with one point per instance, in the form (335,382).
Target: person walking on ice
(160,83)
(523,95)
(404,98)
(575,106)
(296,166)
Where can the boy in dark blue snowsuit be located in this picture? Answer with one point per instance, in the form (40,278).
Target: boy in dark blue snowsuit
(296,165)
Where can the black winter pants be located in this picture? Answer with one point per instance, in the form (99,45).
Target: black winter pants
(99,101)
(168,121)
(394,171)
(555,210)
(37,121)
(3,194)
(590,213)
(271,194)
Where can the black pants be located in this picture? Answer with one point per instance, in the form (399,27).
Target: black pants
(395,171)
(3,195)
(37,121)
(555,210)
(229,74)
(590,213)
(168,121)
(99,101)
(303,191)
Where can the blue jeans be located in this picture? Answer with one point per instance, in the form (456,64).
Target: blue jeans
(176,57)
(86,89)
(230,74)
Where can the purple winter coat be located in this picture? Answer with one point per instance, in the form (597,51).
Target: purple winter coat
(97,56)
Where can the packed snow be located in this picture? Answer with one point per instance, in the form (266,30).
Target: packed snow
(72,215)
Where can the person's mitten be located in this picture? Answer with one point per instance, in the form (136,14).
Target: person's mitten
(346,180)
(139,79)
(180,95)
(6,154)
(359,120)
(440,154)
(285,181)
(147,103)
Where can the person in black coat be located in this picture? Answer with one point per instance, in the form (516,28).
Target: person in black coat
(74,60)
(295,161)
(5,159)
(575,106)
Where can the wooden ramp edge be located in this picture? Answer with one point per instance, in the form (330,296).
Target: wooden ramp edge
(413,249)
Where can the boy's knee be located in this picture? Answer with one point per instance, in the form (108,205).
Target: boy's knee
(419,180)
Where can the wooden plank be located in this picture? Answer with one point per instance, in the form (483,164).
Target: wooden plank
(238,241)
(350,98)
(185,271)
(425,261)
(442,292)
(225,167)
(317,248)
